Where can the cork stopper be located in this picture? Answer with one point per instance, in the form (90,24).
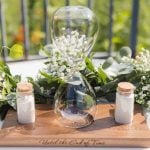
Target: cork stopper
(24,87)
(126,87)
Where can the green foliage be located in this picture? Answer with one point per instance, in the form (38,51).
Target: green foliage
(121,22)
(121,26)
(125,51)
(104,82)
(45,87)
(101,8)
(136,71)
(36,86)
(108,62)
(94,75)
(103,79)
(11,99)
(142,92)
(8,85)
(8,82)
(51,79)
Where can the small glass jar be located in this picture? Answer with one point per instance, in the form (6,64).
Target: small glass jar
(25,103)
(124,103)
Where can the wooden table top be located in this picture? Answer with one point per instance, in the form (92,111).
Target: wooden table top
(103,132)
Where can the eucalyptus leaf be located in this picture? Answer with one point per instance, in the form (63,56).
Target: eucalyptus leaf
(125,69)
(107,63)
(125,51)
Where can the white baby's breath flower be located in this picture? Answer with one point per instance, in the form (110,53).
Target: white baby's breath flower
(54,73)
(67,54)
(142,66)
(61,74)
(146,87)
(142,61)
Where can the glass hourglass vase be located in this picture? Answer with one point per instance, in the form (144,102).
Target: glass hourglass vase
(78,25)
(75,103)
(74,31)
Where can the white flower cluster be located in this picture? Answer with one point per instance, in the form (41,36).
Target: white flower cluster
(142,61)
(3,85)
(67,55)
(142,66)
(142,93)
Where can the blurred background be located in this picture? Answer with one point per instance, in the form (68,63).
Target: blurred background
(121,23)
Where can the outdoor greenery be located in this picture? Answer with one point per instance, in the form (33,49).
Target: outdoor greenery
(8,82)
(121,27)
(103,79)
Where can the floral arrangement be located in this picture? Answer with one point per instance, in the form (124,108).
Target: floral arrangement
(124,68)
(66,55)
(142,67)
(104,79)
(59,67)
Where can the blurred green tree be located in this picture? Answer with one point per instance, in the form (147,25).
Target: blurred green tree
(121,22)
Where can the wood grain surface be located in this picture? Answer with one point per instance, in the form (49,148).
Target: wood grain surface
(47,131)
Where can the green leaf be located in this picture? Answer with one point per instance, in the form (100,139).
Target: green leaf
(4,91)
(125,69)
(108,62)
(125,51)
(11,80)
(36,86)
(17,78)
(8,85)
(102,75)
(50,77)
(11,100)
(110,86)
(89,64)
(90,75)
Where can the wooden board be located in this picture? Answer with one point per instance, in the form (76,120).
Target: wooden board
(103,132)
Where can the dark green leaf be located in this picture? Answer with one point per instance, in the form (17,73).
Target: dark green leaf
(11,100)
(36,86)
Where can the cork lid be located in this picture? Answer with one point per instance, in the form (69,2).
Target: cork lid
(24,87)
(126,87)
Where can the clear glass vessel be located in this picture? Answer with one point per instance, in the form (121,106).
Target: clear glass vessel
(74,31)
(78,19)
(75,103)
